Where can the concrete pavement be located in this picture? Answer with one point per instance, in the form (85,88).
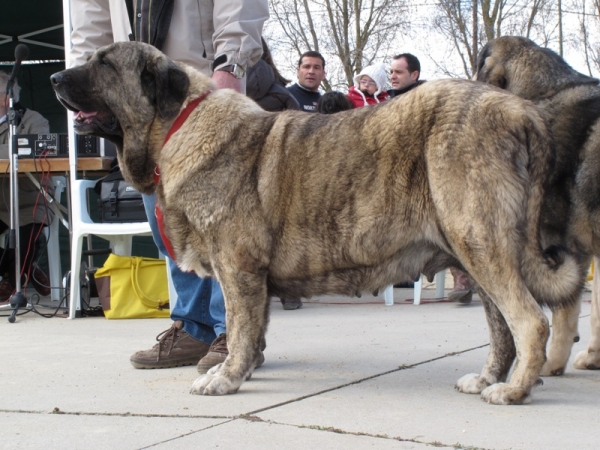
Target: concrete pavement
(339,373)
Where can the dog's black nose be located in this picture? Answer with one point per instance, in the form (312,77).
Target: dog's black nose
(57,78)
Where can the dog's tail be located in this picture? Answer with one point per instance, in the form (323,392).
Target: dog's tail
(553,275)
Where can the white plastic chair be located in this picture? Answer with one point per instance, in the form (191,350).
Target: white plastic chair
(119,235)
(53,248)
(440,280)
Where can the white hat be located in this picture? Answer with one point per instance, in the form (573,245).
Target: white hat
(378,72)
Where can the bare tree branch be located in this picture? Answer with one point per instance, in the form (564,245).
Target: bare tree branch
(349,33)
(455,19)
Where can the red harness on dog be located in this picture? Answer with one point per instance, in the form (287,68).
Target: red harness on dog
(181,118)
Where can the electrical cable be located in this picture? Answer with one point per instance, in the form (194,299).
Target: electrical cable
(44,178)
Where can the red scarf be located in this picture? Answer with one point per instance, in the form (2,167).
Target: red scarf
(181,118)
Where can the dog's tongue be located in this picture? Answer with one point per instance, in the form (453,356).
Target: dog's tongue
(83,115)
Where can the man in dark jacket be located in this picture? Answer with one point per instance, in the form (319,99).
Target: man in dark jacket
(310,73)
(404,74)
(266,86)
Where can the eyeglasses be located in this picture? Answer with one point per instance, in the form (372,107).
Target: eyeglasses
(368,83)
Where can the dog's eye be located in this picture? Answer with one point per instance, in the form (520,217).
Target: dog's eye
(106,63)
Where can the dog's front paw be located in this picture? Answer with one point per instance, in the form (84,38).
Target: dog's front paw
(471,383)
(199,385)
(504,394)
(587,360)
(214,384)
(214,369)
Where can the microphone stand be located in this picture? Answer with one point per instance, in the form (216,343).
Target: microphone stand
(17,300)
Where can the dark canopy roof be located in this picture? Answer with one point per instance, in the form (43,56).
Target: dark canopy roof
(35,23)
(39,25)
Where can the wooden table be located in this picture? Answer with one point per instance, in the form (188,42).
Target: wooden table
(95,164)
(86,165)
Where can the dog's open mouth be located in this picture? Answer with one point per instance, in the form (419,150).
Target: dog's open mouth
(83,117)
(97,122)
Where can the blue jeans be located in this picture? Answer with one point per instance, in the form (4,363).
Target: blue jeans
(200,304)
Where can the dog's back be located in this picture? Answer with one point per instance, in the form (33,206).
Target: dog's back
(360,187)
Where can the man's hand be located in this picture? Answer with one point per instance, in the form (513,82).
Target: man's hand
(225,80)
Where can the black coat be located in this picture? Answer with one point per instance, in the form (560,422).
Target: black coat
(264,89)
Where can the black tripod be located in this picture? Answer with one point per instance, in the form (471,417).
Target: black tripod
(18,300)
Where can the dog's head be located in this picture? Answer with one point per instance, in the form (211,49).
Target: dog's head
(120,94)
(520,66)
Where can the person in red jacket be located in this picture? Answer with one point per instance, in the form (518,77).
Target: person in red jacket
(369,86)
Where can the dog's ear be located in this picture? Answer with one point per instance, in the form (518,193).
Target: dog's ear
(481,57)
(493,72)
(169,85)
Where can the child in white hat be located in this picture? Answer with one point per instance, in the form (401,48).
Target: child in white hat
(369,86)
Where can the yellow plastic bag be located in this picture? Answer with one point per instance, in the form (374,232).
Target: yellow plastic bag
(131,287)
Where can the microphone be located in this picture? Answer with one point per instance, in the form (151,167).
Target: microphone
(21,53)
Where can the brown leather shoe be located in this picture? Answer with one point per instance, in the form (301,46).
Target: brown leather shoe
(218,353)
(175,348)
(290,304)
(6,290)
(40,281)
(463,289)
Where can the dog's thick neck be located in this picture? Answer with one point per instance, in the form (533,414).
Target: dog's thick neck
(179,121)
(185,113)
(199,82)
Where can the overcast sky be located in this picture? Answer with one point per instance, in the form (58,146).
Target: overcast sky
(431,48)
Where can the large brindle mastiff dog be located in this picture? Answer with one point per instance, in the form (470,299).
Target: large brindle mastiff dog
(295,204)
(571,212)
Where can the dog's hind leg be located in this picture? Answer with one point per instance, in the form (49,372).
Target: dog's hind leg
(590,359)
(530,330)
(564,334)
(500,357)
(499,276)
(246,305)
